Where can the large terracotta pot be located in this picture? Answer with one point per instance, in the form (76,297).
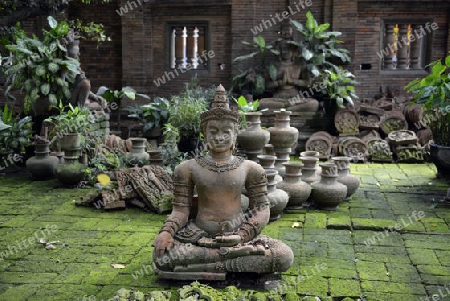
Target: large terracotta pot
(282,137)
(292,183)
(42,164)
(153,133)
(268,163)
(269,150)
(156,157)
(352,182)
(278,198)
(253,138)
(328,193)
(71,172)
(310,169)
(138,155)
(309,154)
(440,156)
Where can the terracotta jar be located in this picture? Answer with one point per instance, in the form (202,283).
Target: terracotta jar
(352,182)
(156,157)
(310,169)
(278,198)
(282,137)
(269,150)
(328,193)
(268,162)
(70,141)
(71,172)
(137,156)
(309,154)
(292,183)
(253,138)
(42,164)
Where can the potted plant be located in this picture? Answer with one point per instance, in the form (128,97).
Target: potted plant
(433,93)
(339,84)
(15,136)
(253,80)
(68,125)
(169,150)
(184,114)
(318,46)
(116,96)
(40,68)
(152,116)
(251,138)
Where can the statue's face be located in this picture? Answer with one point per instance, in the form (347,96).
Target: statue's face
(220,135)
(286,32)
(74,51)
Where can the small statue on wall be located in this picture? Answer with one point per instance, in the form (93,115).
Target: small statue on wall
(292,76)
(82,96)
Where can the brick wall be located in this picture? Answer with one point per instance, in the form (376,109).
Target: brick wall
(136,56)
(102,65)
(145,49)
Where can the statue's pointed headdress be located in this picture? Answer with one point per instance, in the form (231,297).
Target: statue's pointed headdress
(220,109)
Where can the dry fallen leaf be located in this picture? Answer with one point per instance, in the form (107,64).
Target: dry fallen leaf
(296,225)
(103,179)
(117,265)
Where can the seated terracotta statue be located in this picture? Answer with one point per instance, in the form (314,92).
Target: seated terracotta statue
(209,236)
(82,95)
(292,76)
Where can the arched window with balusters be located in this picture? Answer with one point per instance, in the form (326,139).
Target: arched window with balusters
(406,44)
(188,45)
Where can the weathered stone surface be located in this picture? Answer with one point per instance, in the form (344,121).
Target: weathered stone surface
(331,252)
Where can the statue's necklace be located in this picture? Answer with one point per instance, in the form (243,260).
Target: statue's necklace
(210,164)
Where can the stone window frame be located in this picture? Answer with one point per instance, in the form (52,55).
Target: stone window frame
(426,45)
(169,48)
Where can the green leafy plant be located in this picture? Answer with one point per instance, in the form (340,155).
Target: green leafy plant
(70,119)
(40,68)
(116,96)
(433,92)
(244,106)
(254,78)
(192,89)
(15,133)
(319,47)
(185,110)
(90,31)
(339,85)
(171,155)
(184,114)
(8,34)
(151,115)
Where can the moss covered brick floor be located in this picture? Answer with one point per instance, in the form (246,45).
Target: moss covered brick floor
(390,242)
